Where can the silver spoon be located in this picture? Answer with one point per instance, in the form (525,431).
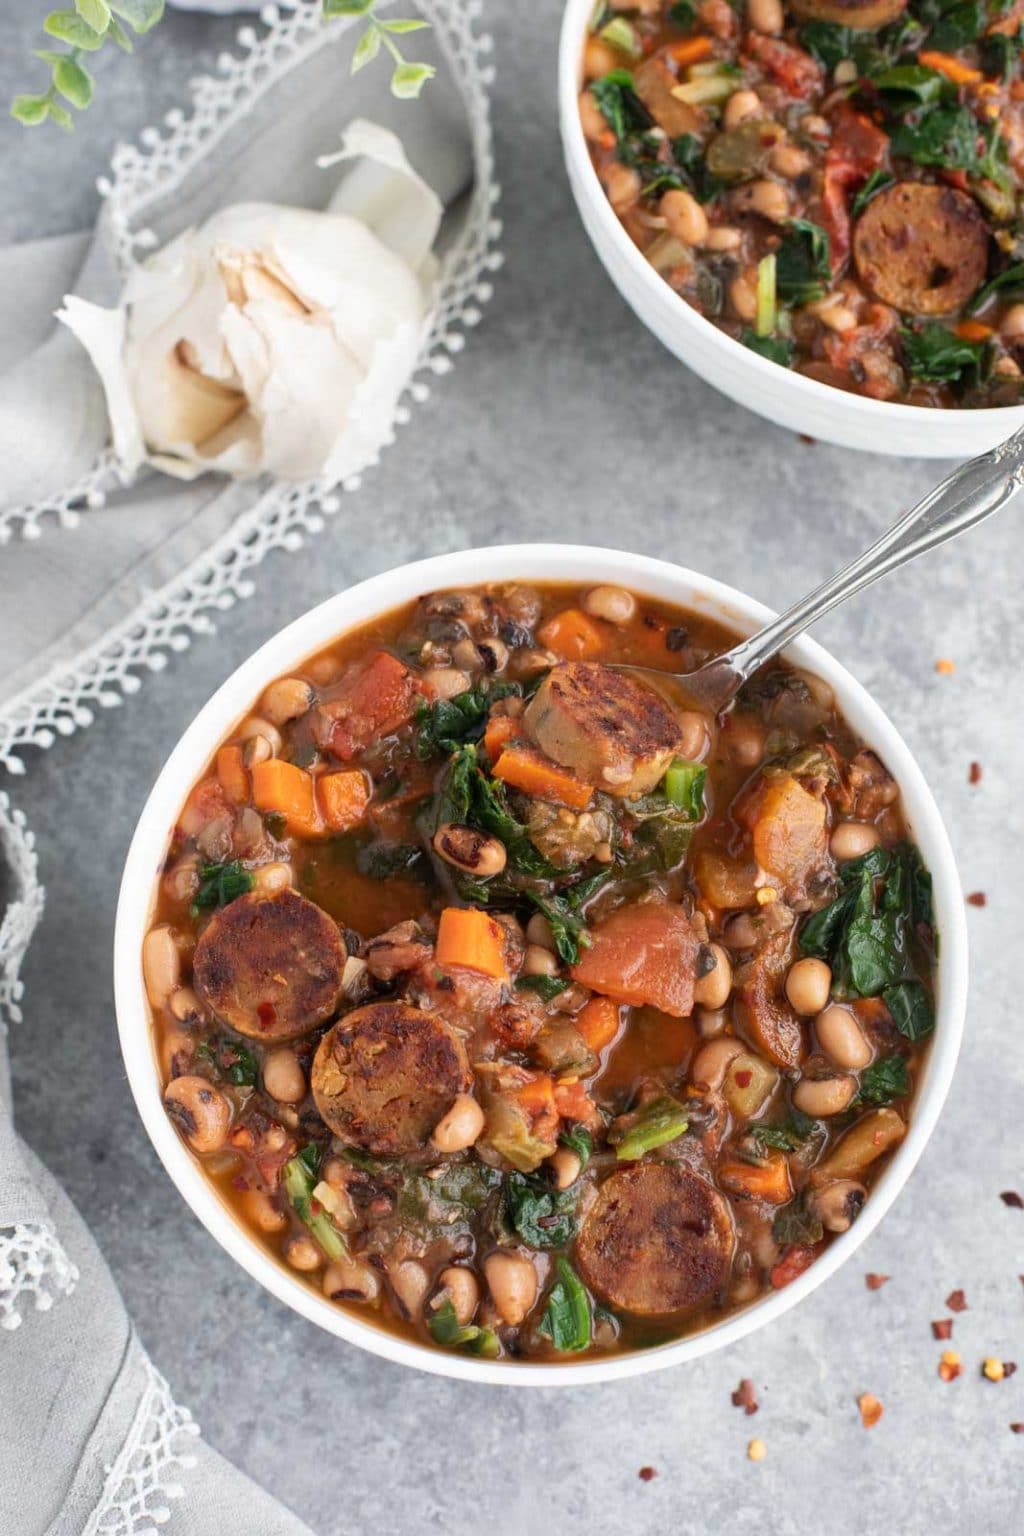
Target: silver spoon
(970,494)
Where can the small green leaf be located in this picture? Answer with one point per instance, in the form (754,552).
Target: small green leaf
(120,36)
(399,27)
(409,79)
(141,15)
(62,117)
(30,110)
(48,55)
(566,1319)
(69,27)
(73,81)
(348,7)
(95,13)
(366,50)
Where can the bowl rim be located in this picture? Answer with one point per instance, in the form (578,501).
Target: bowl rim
(352,607)
(680,314)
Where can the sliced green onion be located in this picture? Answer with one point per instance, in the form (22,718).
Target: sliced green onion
(662,1121)
(299,1183)
(619,34)
(566,1319)
(684,786)
(764,324)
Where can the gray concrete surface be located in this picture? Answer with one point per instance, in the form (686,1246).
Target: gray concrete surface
(563,418)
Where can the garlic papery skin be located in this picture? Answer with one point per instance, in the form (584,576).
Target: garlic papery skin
(274,340)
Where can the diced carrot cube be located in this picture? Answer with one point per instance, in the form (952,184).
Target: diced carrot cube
(343,799)
(474,939)
(287,791)
(233,775)
(769,1181)
(536,775)
(573,1102)
(500,729)
(572,635)
(598,1022)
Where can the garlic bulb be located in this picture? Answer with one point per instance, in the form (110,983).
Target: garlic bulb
(274,340)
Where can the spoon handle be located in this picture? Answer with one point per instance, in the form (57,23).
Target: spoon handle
(970,494)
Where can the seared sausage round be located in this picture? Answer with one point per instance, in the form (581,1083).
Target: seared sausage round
(270,965)
(862,15)
(658,1240)
(922,247)
(386,1074)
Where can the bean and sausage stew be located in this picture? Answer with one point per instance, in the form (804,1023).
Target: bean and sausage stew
(834,183)
(527,1013)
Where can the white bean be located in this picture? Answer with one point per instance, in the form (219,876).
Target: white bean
(809,985)
(613,604)
(841,1037)
(460,1127)
(513,1285)
(161,964)
(851,839)
(712,990)
(823,1096)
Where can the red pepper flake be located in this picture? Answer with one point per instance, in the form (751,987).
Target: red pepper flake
(267,1014)
(742,1079)
(1009,1367)
(1018,1429)
(647,1474)
(1010,1197)
(871,1409)
(956,1301)
(875,1282)
(808,442)
(943,1329)
(974,774)
(745,1397)
(949,1366)
(977,899)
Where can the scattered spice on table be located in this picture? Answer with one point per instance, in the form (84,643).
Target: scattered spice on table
(871,1409)
(943,1329)
(994,1369)
(956,1301)
(646,1474)
(945,667)
(745,1396)
(974,774)
(977,899)
(949,1366)
(1012,1198)
(875,1282)
(1018,1429)
(757,1450)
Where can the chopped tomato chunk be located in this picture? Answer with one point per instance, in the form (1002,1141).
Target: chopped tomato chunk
(645,953)
(375,699)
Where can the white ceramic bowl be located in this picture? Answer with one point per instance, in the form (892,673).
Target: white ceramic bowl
(529,562)
(785,397)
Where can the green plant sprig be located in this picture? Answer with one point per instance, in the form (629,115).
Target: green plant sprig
(93,23)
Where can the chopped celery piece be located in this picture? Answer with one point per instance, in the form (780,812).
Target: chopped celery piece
(619,34)
(566,1319)
(661,1121)
(684,786)
(764,325)
(299,1182)
(705,90)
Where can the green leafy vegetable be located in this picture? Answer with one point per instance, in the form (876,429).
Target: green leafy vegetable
(684,786)
(939,135)
(802,269)
(618,34)
(865,932)
(220,884)
(446,724)
(1012,278)
(784,1138)
(578,1139)
(958,27)
(445,1329)
(543,1217)
(876,182)
(683,13)
(913,82)
(388,861)
(300,1176)
(1000,53)
(775,348)
(828,42)
(231,1060)
(546,987)
(688,154)
(619,104)
(933,352)
(566,1320)
(660,1121)
(885,1080)
(794,1224)
(449,1200)
(912,1010)
(568,929)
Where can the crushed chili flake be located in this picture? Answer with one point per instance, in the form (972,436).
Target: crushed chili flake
(945,667)
(267,1014)
(744,1397)
(950,1366)
(1010,1197)
(757,1450)
(997,1370)
(871,1409)
(977,899)
(743,1078)
(956,1301)
(646,1474)
(974,774)
(875,1282)
(943,1329)
(1018,1429)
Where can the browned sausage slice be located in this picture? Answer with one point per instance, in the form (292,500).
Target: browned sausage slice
(611,731)
(658,1240)
(921,247)
(862,15)
(270,965)
(386,1074)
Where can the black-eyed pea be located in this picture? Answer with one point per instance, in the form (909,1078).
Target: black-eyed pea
(821,1097)
(351,1279)
(512,1280)
(161,964)
(286,699)
(199,1111)
(462,1289)
(851,839)
(712,989)
(460,1127)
